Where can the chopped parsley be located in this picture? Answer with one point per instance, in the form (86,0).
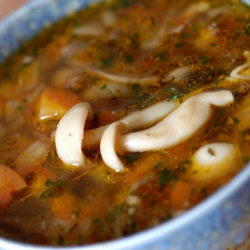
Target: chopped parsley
(166,176)
(129,159)
(96,221)
(178,45)
(204,60)
(162,55)
(127,58)
(19,107)
(104,86)
(125,3)
(23,66)
(53,188)
(107,62)
(174,95)
(235,121)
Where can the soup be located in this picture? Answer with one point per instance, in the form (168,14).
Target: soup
(122,117)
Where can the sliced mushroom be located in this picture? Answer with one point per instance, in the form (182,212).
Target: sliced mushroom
(178,126)
(69,135)
(213,161)
(122,79)
(136,120)
(108,146)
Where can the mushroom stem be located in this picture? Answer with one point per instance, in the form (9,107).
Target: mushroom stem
(69,135)
(179,125)
(109,145)
(135,120)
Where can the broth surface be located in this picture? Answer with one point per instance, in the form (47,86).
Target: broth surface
(121,57)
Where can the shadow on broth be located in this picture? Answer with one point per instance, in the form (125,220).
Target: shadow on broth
(122,119)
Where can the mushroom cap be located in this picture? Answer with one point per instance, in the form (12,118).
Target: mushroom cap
(69,135)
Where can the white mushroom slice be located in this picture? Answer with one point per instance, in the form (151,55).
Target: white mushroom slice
(213,161)
(180,74)
(108,146)
(69,135)
(135,120)
(181,124)
(122,79)
(149,115)
(237,72)
(176,127)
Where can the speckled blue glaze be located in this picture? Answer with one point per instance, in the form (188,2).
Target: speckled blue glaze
(221,222)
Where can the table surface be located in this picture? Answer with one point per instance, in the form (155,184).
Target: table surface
(7,6)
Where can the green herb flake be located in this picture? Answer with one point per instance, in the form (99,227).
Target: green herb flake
(196,26)
(178,45)
(19,107)
(246,158)
(125,3)
(116,211)
(174,95)
(129,159)
(203,60)
(136,87)
(96,221)
(213,44)
(23,66)
(166,176)
(203,191)
(235,121)
(58,183)
(162,55)
(127,58)
(48,193)
(51,190)
(184,34)
(104,86)
(60,240)
(76,212)
(108,61)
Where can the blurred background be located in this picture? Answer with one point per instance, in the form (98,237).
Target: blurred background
(7,6)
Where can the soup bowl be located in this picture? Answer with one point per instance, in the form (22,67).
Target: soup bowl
(222,221)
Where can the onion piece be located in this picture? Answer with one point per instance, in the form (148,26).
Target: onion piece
(36,152)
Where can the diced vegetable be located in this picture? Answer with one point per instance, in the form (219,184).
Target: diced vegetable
(54,103)
(37,152)
(10,181)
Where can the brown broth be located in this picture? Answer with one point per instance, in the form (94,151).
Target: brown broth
(64,205)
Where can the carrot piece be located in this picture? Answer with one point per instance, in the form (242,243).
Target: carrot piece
(10,181)
(6,198)
(180,195)
(141,169)
(63,206)
(54,103)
